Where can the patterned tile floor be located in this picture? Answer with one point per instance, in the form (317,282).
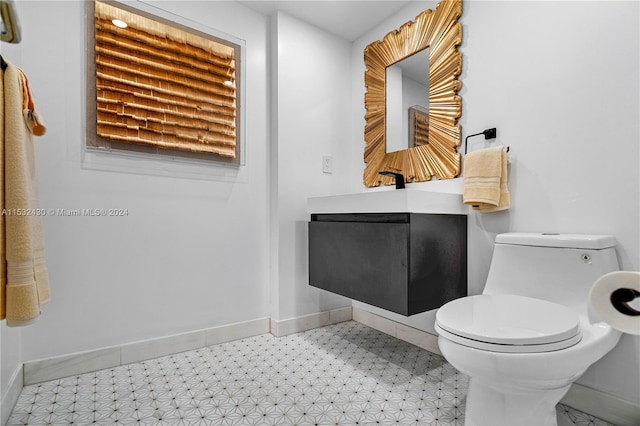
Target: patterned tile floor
(344,374)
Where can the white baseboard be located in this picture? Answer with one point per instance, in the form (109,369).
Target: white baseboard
(281,328)
(420,338)
(85,362)
(602,405)
(9,399)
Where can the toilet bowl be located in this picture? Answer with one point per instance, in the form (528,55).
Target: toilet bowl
(512,384)
(529,335)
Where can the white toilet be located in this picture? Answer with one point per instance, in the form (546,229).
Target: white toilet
(529,335)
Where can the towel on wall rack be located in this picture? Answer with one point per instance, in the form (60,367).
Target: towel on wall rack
(24,285)
(485,179)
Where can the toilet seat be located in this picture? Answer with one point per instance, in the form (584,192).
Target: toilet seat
(508,323)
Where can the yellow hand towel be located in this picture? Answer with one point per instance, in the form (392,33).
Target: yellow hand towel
(485,179)
(24,285)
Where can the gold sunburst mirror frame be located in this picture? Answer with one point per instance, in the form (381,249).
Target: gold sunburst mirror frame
(441,33)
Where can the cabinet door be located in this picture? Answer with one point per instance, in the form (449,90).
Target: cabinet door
(437,260)
(362,261)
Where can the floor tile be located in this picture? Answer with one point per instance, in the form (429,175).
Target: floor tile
(342,374)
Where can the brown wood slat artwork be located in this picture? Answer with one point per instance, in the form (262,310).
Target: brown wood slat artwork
(161,86)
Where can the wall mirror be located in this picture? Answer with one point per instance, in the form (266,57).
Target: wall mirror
(436,34)
(407,98)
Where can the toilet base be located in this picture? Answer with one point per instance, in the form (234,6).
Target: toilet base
(509,406)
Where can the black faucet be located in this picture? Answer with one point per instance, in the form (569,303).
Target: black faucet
(398,177)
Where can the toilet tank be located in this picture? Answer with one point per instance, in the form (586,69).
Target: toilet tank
(560,268)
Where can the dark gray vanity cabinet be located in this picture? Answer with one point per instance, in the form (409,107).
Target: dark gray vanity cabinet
(402,262)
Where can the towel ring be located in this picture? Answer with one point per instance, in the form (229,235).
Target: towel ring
(488,134)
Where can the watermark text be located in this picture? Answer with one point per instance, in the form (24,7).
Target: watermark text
(60,212)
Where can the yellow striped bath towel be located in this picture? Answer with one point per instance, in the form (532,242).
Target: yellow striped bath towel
(485,179)
(24,283)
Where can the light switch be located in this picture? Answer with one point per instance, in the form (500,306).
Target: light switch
(327,164)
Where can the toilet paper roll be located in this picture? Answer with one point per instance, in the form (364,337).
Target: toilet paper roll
(615,305)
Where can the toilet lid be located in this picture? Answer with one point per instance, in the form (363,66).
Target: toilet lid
(505,319)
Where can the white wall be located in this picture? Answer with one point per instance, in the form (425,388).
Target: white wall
(559,80)
(312,92)
(190,254)
(10,360)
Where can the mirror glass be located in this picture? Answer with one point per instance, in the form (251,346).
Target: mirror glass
(407,98)
(437,35)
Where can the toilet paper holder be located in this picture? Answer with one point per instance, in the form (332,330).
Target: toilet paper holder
(620,299)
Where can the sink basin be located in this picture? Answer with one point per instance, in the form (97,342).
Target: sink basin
(390,201)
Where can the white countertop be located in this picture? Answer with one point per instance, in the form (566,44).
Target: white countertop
(390,201)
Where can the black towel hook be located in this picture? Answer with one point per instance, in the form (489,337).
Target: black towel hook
(488,134)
